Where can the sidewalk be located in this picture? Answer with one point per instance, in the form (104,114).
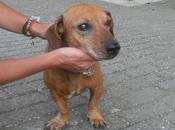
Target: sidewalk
(139,83)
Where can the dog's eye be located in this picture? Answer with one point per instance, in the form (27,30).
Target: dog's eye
(84,27)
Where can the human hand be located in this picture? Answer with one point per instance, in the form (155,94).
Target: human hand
(71,59)
(39,29)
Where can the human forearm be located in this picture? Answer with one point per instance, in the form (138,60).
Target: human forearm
(11,70)
(10,19)
(68,58)
(14,21)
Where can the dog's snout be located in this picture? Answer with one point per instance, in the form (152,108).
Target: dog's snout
(112,48)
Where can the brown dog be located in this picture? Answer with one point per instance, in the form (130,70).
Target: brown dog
(90,28)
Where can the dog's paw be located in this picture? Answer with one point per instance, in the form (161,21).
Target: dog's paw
(96,120)
(58,122)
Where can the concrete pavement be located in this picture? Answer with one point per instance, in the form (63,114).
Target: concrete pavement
(139,83)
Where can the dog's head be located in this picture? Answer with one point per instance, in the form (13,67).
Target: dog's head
(88,27)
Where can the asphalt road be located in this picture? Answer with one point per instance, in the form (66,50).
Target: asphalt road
(139,83)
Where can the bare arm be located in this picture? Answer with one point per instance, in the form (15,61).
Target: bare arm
(11,70)
(66,58)
(13,21)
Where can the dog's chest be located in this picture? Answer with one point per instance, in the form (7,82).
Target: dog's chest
(75,90)
(75,86)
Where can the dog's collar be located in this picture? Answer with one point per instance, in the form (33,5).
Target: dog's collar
(89,71)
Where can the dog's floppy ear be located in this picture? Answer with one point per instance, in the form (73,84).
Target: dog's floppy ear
(111,22)
(55,34)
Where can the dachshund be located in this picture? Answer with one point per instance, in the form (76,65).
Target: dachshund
(90,28)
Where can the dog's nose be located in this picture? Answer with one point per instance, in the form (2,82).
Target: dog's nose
(112,48)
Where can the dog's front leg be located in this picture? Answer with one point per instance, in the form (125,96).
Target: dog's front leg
(94,115)
(62,117)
